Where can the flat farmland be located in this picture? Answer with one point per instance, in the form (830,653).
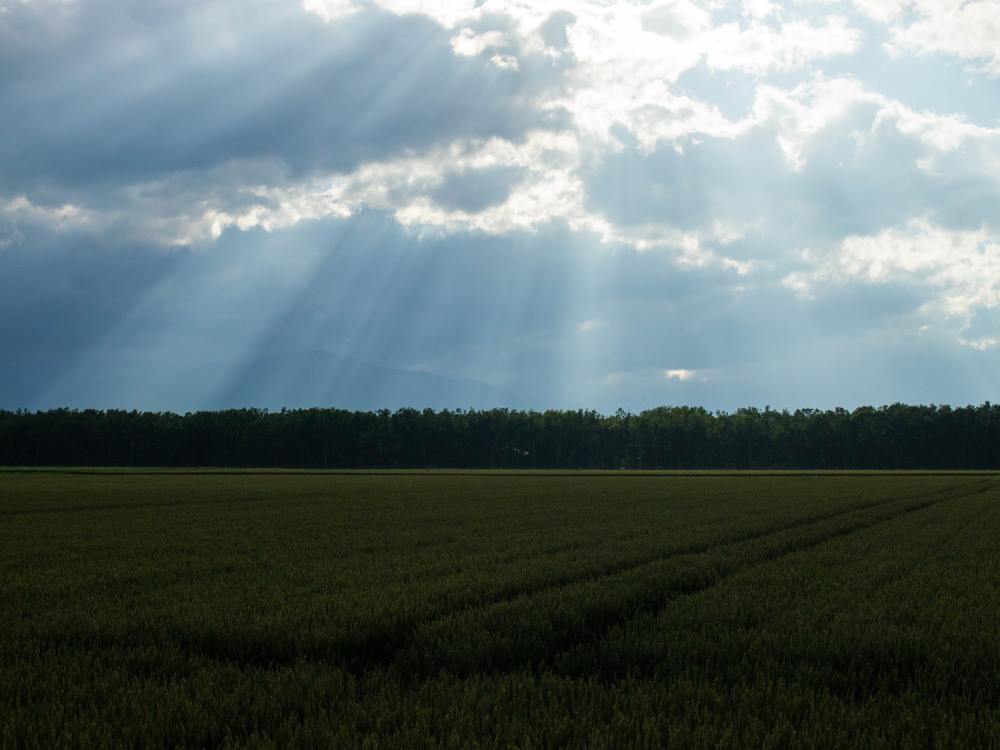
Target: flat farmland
(268,610)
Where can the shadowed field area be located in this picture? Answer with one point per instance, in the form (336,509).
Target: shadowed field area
(491,610)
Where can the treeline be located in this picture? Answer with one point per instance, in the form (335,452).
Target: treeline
(679,437)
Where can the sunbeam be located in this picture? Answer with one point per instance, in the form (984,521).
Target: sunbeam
(570,203)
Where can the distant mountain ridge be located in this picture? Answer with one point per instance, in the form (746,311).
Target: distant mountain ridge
(294,380)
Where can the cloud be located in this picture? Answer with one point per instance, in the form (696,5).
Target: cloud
(960,270)
(576,199)
(62,292)
(760,48)
(331,10)
(967,30)
(144,103)
(313,161)
(473,191)
(683,374)
(469,44)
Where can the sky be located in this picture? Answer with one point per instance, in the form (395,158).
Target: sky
(592,204)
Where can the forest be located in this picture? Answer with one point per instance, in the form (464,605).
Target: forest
(897,436)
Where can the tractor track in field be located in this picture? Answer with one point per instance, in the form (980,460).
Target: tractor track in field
(401,645)
(650,601)
(766,556)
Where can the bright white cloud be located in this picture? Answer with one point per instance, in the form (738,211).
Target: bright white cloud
(625,65)
(683,375)
(331,10)
(40,6)
(960,269)
(64,218)
(802,114)
(448,13)
(760,48)
(881,10)
(967,30)
(468,43)
(402,187)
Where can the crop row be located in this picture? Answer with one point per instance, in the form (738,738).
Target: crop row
(349,578)
(499,611)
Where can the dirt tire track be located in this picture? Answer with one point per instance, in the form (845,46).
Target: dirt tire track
(655,586)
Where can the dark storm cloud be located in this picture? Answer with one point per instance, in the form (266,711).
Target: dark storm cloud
(134,92)
(60,294)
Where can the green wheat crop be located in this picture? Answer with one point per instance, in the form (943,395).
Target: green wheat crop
(150,610)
